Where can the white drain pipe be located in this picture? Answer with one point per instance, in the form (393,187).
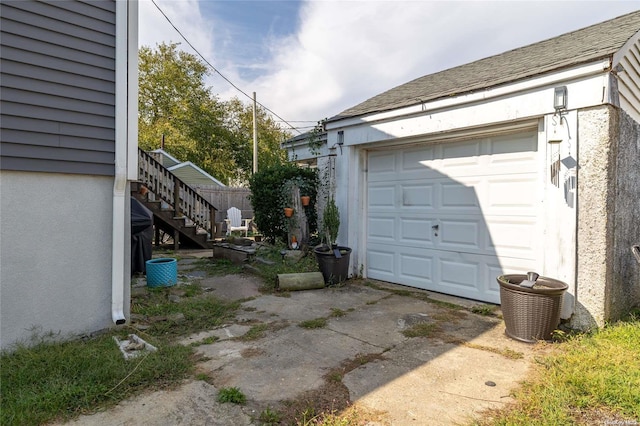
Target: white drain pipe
(117,249)
(122,116)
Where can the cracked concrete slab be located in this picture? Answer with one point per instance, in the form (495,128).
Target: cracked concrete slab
(439,379)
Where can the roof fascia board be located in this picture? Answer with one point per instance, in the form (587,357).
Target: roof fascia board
(190,164)
(166,154)
(573,73)
(531,104)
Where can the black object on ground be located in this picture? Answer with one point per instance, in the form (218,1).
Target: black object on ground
(141,236)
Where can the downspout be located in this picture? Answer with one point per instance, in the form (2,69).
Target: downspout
(117,249)
(120,180)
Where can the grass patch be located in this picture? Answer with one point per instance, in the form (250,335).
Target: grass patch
(420,330)
(188,315)
(58,381)
(232,395)
(414,294)
(269,417)
(337,313)
(329,405)
(256,332)
(217,267)
(206,341)
(314,323)
(590,379)
(486,310)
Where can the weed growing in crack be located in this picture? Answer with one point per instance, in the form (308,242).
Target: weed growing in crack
(233,395)
(314,323)
(336,313)
(487,310)
(269,417)
(255,332)
(420,330)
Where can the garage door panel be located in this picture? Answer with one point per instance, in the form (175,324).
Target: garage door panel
(381,228)
(382,162)
(381,263)
(416,231)
(416,267)
(418,196)
(461,154)
(512,237)
(458,196)
(415,159)
(513,148)
(459,272)
(503,200)
(382,196)
(460,234)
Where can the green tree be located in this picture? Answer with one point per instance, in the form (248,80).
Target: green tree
(270,136)
(175,104)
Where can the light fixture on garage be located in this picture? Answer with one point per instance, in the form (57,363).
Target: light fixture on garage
(560,98)
(339,143)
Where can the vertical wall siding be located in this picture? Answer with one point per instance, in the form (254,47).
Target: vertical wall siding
(629,81)
(58,86)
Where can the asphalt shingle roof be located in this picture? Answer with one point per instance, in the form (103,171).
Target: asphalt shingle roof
(577,47)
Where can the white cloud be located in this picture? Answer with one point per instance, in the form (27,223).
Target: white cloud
(346,52)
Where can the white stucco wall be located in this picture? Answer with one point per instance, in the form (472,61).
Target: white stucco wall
(55,255)
(608,209)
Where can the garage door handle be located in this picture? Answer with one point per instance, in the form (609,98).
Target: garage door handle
(435,227)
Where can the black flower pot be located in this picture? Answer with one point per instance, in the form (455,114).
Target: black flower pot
(334,269)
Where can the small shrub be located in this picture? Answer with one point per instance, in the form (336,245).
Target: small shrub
(233,395)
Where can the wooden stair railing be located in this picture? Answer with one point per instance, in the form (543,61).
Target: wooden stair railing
(181,197)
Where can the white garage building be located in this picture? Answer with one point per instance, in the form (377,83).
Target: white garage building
(528,160)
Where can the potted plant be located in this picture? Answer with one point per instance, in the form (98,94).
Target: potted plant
(333,260)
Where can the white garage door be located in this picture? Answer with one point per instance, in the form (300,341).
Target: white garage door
(451,217)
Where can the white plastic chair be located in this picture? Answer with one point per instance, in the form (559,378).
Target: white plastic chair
(235,222)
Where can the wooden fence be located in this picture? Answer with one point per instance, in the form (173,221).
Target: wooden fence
(224,198)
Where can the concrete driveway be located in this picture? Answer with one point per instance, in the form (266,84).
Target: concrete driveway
(459,363)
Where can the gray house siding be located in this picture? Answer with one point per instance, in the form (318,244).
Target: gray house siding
(58,86)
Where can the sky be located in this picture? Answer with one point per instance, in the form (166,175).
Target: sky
(310,60)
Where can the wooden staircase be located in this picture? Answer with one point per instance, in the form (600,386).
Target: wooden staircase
(178,209)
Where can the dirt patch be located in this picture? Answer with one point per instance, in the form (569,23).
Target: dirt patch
(251,352)
(332,397)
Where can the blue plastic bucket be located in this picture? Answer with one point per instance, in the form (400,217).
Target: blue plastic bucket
(162,272)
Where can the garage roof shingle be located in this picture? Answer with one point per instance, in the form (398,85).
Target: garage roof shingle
(577,47)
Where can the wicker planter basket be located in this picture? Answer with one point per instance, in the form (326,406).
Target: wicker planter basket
(530,314)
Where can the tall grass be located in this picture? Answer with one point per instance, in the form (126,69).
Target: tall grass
(592,379)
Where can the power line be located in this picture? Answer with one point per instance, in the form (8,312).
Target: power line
(218,72)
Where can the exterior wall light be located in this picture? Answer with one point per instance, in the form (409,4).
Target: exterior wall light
(560,98)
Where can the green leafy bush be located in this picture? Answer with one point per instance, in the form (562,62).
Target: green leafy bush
(269,196)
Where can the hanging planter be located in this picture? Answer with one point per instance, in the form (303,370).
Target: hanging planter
(288,211)
(305,199)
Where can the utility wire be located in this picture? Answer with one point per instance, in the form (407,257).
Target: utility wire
(218,72)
